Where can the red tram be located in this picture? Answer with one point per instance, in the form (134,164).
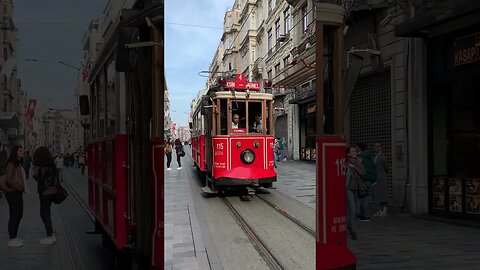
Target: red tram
(232,139)
(125,136)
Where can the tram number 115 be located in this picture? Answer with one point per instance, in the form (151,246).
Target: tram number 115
(219,146)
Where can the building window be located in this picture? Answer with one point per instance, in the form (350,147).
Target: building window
(277,29)
(269,39)
(269,74)
(286,15)
(277,69)
(286,61)
(305,18)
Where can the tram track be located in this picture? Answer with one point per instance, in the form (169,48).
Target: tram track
(302,225)
(259,245)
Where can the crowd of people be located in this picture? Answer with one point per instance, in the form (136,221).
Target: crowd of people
(366,174)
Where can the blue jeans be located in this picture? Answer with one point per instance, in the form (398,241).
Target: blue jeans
(351,211)
(362,207)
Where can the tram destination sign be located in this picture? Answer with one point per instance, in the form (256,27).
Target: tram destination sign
(240,82)
(466,49)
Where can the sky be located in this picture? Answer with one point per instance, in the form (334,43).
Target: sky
(52,31)
(189,49)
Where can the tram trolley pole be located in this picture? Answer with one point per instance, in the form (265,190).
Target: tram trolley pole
(331,218)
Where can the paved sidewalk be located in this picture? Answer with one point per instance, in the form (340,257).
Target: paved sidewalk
(33,255)
(297,180)
(184,246)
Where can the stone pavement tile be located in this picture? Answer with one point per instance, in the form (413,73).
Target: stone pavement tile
(31,230)
(184,248)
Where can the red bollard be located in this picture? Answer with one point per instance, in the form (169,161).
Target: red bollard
(332,248)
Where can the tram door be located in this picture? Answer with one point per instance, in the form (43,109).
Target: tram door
(208,126)
(139,91)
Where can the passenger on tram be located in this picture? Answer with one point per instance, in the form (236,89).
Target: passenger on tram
(257,126)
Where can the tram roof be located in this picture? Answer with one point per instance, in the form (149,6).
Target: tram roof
(242,95)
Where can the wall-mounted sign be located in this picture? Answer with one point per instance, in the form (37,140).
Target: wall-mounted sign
(466,49)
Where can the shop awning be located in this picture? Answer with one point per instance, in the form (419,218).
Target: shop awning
(8,120)
(440,19)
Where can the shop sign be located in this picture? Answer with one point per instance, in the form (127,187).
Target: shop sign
(466,49)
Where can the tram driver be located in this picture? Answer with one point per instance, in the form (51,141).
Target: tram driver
(236,121)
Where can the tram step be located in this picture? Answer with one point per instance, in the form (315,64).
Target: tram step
(207,190)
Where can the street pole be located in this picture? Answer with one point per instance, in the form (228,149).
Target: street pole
(331,212)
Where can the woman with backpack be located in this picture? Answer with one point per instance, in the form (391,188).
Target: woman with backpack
(168,152)
(15,179)
(47,178)
(179,151)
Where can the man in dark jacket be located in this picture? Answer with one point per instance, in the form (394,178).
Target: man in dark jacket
(370,178)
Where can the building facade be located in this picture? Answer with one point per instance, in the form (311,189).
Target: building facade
(443,59)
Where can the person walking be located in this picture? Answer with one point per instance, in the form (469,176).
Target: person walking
(27,161)
(381,188)
(284,149)
(354,171)
(3,165)
(59,163)
(168,153)
(180,153)
(15,180)
(369,178)
(81,162)
(46,177)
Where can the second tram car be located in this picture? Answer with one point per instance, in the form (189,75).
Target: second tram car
(125,137)
(232,135)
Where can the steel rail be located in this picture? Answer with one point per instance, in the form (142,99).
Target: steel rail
(259,245)
(290,217)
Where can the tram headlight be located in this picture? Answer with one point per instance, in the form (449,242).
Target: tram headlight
(247,156)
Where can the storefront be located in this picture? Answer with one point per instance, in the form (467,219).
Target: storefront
(308,130)
(454,131)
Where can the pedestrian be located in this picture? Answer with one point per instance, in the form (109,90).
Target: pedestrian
(27,161)
(59,162)
(180,153)
(168,152)
(3,165)
(369,179)
(47,180)
(15,180)
(276,151)
(81,162)
(284,152)
(381,188)
(354,171)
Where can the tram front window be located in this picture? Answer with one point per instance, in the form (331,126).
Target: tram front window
(255,117)
(238,117)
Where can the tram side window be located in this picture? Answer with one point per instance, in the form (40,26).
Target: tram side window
(223,117)
(93,105)
(239,120)
(267,119)
(101,104)
(255,117)
(111,104)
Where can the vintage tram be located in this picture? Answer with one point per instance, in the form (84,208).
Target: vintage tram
(232,135)
(125,136)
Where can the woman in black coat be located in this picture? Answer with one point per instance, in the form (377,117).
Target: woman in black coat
(46,176)
(179,151)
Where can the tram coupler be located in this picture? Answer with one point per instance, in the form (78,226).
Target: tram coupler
(250,191)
